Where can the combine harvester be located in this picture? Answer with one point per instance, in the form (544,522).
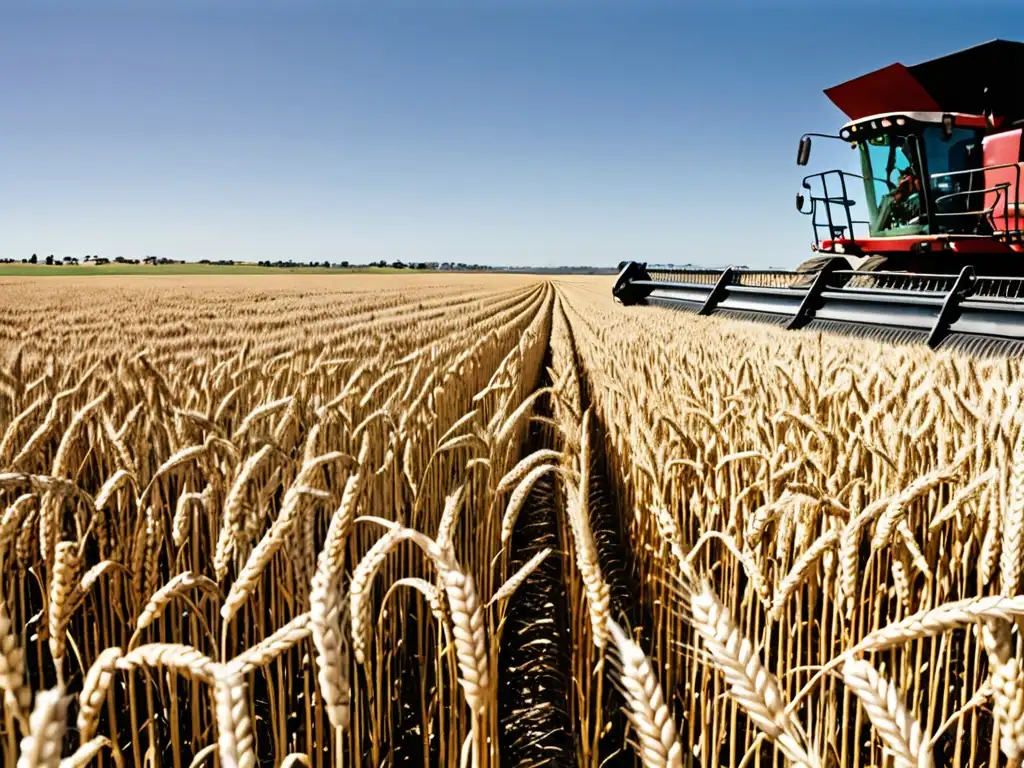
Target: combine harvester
(939,259)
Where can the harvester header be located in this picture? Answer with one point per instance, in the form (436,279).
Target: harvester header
(937,257)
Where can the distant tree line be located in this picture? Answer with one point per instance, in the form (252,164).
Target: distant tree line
(295,264)
(383,263)
(50,260)
(53,261)
(445,266)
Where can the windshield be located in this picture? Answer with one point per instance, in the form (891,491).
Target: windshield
(893,184)
(892,169)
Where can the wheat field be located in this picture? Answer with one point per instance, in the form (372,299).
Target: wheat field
(494,520)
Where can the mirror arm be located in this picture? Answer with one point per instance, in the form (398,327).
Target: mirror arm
(804,153)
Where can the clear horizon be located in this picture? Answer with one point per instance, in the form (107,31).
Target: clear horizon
(543,133)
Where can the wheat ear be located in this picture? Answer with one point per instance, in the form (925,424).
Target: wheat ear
(183,659)
(516,579)
(1013,524)
(11,521)
(808,560)
(518,498)
(514,476)
(468,624)
(331,664)
(86,753)
(362,584)
(268,649)
(177,586)
(234,726)
(1007,679)
(964,496)
(62,585)
(326,607)
(450,516)
(259,412)
(941,619)
(40,747)
(234,511)
(897,727)
(181,522)
(648,713)
(110,487)
(268,546)
(897,508)
(17,695)
(669,531)
(753,686)
(764,515)
(94,690)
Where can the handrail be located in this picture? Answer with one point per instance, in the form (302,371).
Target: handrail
(997,188)
(1005,185)
(835,228)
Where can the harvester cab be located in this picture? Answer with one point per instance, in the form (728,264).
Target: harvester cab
(934,253)
(939,153)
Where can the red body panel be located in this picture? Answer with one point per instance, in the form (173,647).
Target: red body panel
(891,89)
(1003,149)
(954,243)
(976,121)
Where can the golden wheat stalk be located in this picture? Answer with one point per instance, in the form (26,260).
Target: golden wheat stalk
(648,712)
(898,728)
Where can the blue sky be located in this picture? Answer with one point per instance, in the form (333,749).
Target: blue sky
(536,132)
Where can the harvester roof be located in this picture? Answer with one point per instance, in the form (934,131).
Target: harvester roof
(983,77)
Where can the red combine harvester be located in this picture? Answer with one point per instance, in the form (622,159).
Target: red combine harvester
(937,257)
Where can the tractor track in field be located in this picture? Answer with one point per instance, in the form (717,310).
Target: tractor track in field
(536,654)
(618,565)
(538,648)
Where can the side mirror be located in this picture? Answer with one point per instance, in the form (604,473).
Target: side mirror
(803,154)
(800,201)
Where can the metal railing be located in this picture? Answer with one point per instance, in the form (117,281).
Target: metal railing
(1000,190)
(837,226)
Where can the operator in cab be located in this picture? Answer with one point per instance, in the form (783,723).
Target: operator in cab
(901,206)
